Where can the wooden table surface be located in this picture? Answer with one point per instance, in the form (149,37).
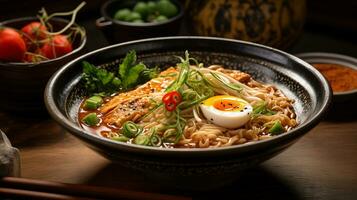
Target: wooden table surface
(321,165)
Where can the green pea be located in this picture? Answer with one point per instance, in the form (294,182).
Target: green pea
(141,8)
(160,18)
(133,16)
(167,8)
(122,14)
(151,7)
(139,21)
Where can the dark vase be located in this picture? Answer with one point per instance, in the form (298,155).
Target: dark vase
(275,23)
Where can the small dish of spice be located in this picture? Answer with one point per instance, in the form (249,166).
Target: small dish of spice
(341,72)
(340,77)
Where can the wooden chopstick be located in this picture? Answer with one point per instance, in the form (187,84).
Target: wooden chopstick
(75,190)
(25,194)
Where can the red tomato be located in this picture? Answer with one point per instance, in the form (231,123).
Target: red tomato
(12,46)
(57,46)
(32,33)
(35,31)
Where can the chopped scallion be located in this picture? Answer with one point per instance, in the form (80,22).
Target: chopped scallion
(142,139)
(131,130)
(121,138)
(262,109)
(93,103)
(155,141)
(231,86)
(91,119)
(277,128)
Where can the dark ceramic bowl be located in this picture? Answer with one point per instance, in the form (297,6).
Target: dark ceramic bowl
(121,31)
(343,105)
(22,84)
(195,168)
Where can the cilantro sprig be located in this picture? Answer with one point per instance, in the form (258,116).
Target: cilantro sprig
(128,75)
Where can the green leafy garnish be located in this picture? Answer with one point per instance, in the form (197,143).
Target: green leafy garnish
(148,74)
(129,71)
(277,128)
(93,103)
(184,68)
(91,119)
(142,140)
(231,86)
(120,138)
(262,109)
(99,80)
(129,74)
(131,130)
(155,140)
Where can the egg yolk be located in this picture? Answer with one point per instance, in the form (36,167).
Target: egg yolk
(228,105)
(226,111)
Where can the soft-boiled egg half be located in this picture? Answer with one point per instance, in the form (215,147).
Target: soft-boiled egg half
(226,111)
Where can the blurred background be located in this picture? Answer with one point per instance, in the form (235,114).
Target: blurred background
(324,25)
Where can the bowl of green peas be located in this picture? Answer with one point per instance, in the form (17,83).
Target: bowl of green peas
(125,20)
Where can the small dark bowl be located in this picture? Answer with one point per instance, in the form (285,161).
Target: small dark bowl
(121,31)
(195,168)
(343,103)
(22,84)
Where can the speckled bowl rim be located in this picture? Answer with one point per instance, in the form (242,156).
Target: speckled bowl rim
(76,130)
(146,24)
(333,58)
(22,64)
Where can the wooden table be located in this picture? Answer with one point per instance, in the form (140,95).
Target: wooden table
(322,165)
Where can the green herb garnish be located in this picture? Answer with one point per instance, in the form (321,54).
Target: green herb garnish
(131,130)
(91,119)
(142,139)
(128,75)
(262,109)
(99,80)
(232,86)
(93,103)
(277,128)
(155,140)
(120,138)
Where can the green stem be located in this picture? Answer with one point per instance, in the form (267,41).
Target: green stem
(73,13)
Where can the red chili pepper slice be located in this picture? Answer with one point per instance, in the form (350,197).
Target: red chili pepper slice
(176,97)
(171,100)
(170,106)
(166,98)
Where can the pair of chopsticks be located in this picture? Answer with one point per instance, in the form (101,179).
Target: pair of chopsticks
(21,188)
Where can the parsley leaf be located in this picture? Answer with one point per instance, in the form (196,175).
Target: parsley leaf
(128,62)
(99,80)
(129,74)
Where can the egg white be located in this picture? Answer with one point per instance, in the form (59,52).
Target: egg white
(227,119)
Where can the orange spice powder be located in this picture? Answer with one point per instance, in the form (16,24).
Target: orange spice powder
(341,78)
